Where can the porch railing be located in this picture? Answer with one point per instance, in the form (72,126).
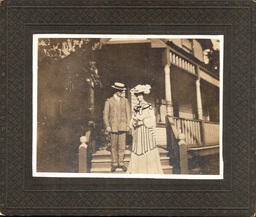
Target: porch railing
(183,135)
(173,143)
(191,130)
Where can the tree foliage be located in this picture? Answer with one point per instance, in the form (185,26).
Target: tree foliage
(54,50)
(214,60)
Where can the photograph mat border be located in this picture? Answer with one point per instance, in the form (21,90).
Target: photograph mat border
(105,175)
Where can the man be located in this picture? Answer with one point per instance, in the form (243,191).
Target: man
(117,119)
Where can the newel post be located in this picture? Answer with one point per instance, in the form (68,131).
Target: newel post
(183,154)
(83,155)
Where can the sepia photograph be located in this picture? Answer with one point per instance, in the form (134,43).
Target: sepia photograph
(127,106)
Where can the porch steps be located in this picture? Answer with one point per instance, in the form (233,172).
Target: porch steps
(101,161)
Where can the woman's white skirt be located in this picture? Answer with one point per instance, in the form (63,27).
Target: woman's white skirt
(147,163)
(145,156)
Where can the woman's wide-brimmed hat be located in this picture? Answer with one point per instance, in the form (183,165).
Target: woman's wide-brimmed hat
(118,86)
(145,89)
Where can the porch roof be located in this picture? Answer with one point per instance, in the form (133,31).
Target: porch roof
(210,77)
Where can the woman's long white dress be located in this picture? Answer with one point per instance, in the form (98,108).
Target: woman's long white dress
(145,158)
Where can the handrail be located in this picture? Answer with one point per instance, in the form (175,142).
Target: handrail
(188,119)
(191,129)
(176,146)
(177,140)
(210,122)
(176,133)
(203,148)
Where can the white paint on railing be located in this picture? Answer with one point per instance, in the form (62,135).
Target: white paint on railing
(190,129)
(211,133)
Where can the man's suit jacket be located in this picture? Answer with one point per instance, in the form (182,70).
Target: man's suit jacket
(117,114)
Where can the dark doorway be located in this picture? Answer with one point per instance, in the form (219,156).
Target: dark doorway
(130,64)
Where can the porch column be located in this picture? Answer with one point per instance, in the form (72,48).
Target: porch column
(199,99)
(168,89)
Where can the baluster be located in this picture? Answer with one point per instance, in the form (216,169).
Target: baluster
(196,139)
(184,129)
(188,132)
(196,133)
(182,64)
(179,127)
(193,69)
(199,132)
(173,58)
(192,132)
(183,126)
(177,60)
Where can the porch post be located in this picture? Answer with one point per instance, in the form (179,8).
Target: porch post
(168,89)
(199,98)
(91,102)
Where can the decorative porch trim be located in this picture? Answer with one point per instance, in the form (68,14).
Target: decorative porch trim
(192,61)
(182,63)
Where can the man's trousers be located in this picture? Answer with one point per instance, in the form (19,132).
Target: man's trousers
(118,142)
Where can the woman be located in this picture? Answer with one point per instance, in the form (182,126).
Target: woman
(144,156)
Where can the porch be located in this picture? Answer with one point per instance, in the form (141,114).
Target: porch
(185,96)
